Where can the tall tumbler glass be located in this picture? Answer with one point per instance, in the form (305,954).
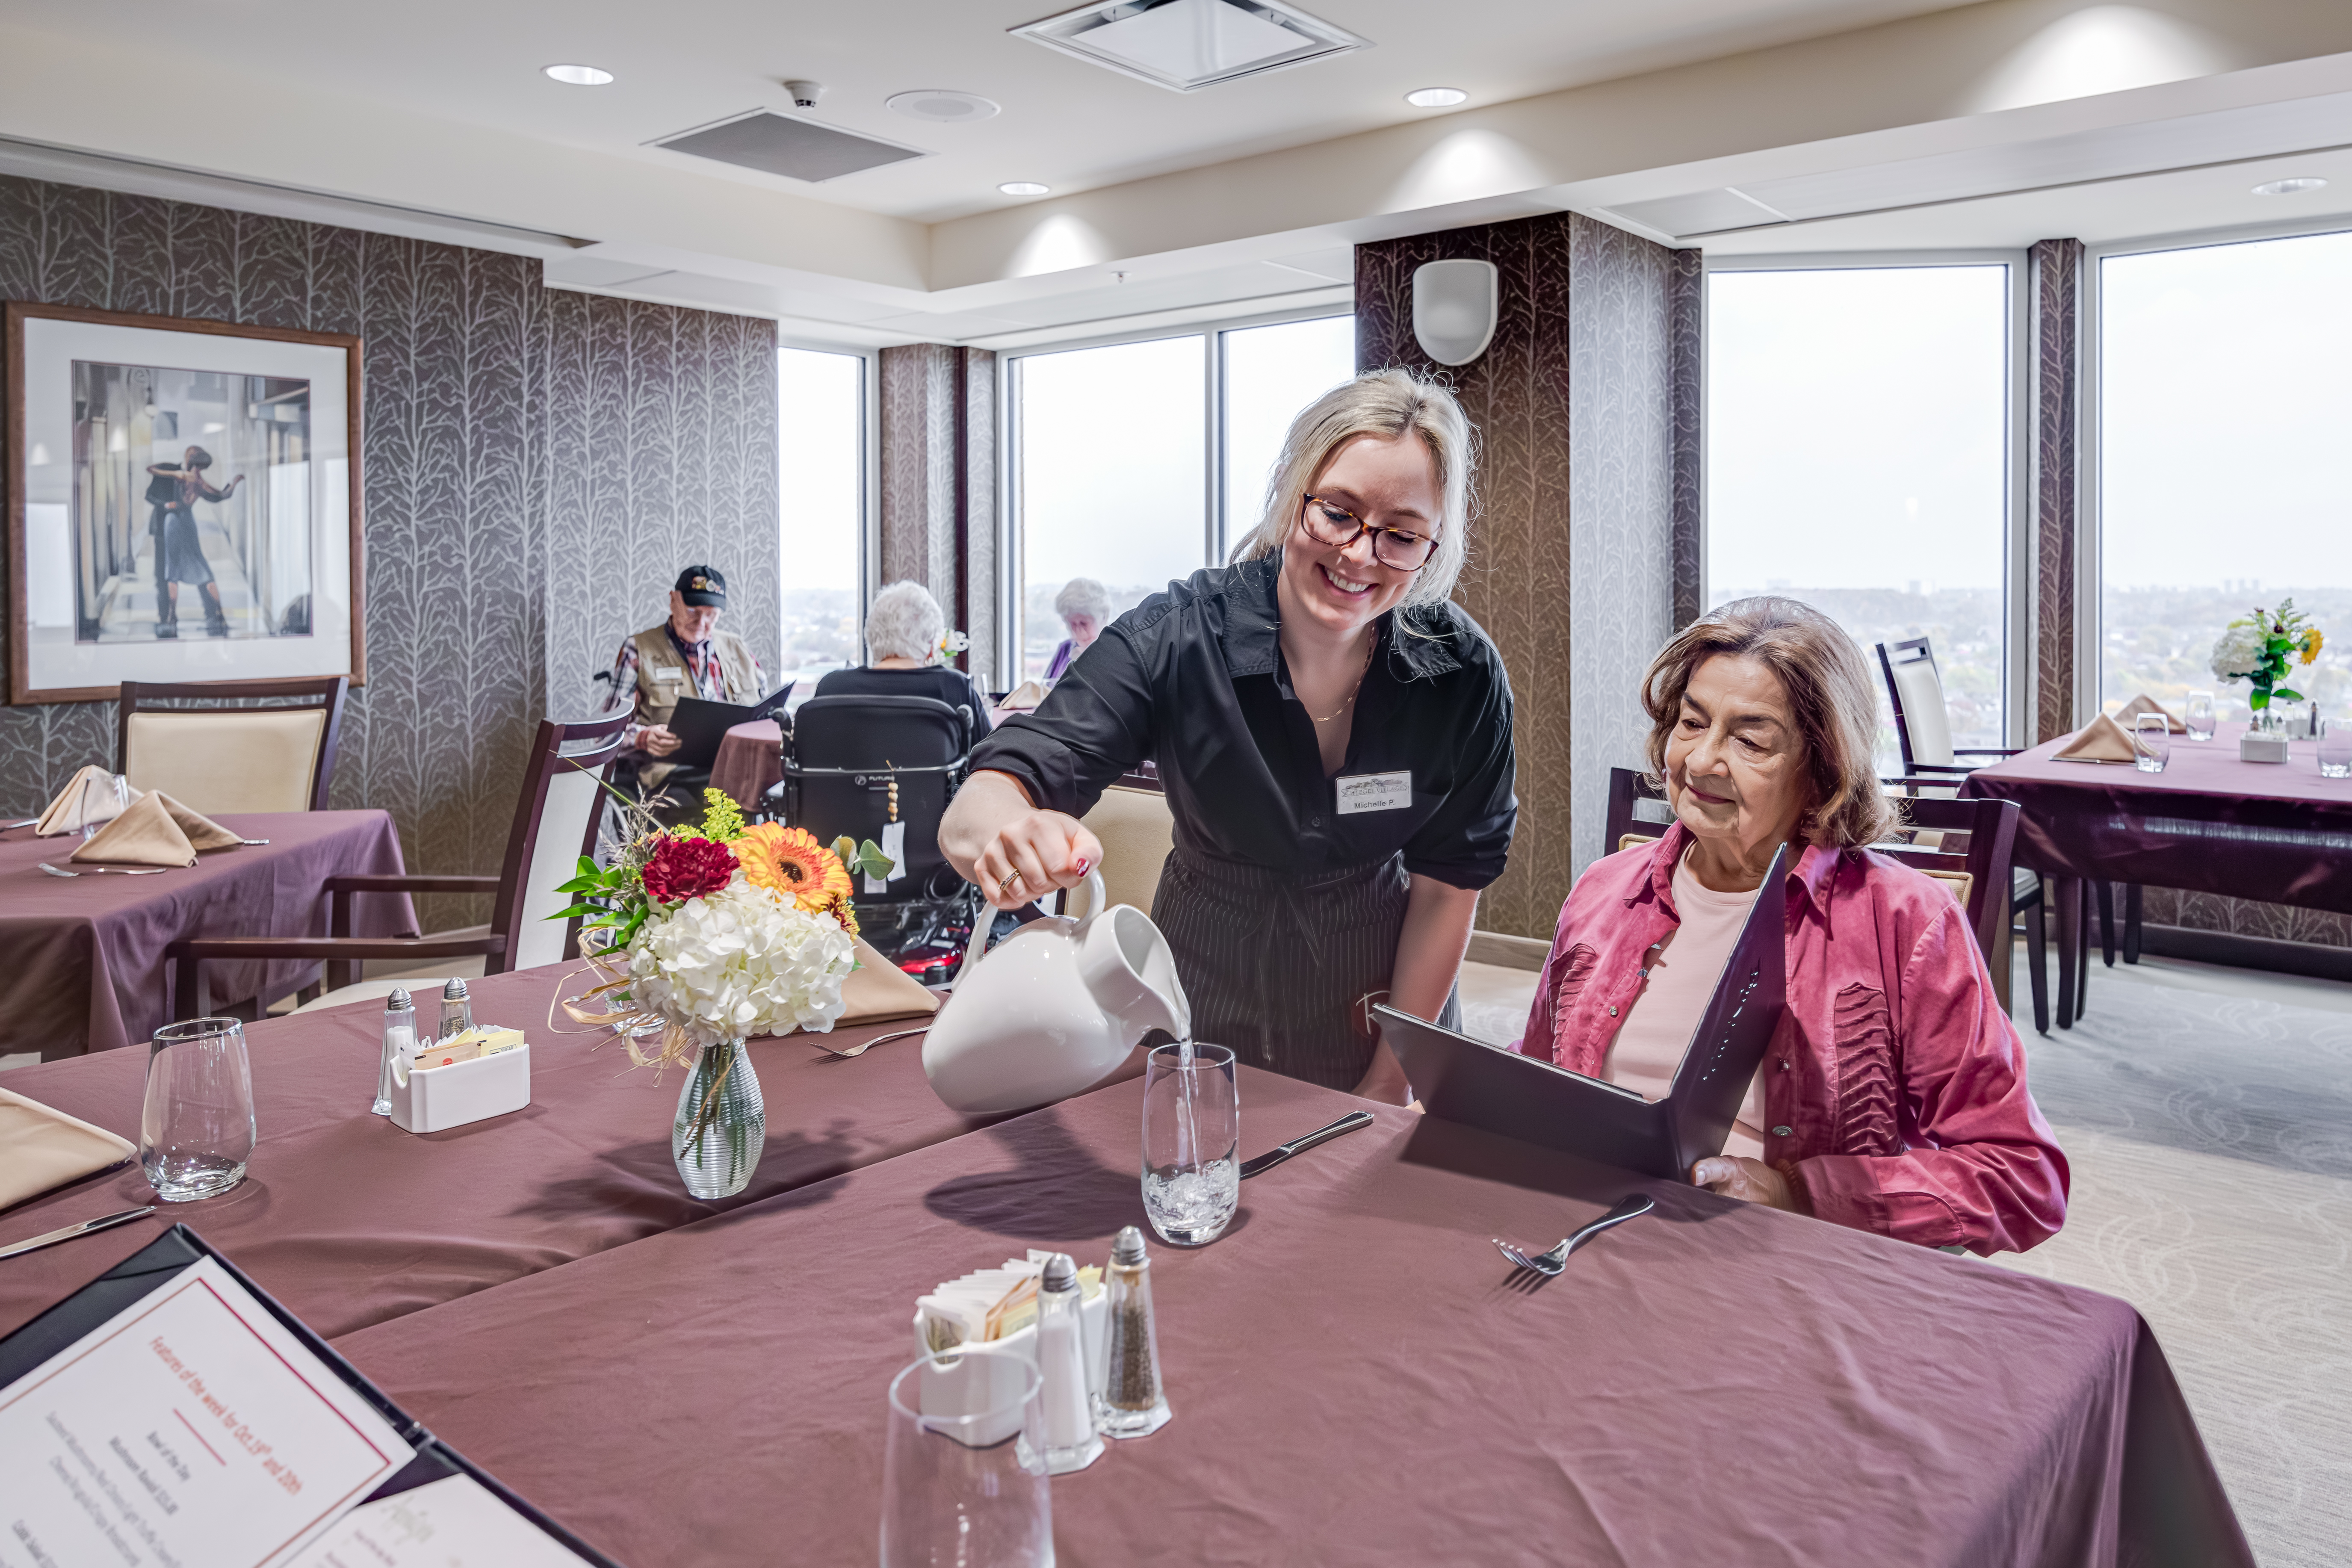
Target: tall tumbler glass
(196,1130)
(2151,742)
(963,1474)
(2199,719)
(102,800)
(1192,1135)
(2335,748)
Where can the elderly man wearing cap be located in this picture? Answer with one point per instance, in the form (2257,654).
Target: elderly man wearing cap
(685,655)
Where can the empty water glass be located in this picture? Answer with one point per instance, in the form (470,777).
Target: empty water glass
(1191,1132)
(195,1129)
(963,1474)
(2335,748)
(2151,742)
(2200,716)
(103,798)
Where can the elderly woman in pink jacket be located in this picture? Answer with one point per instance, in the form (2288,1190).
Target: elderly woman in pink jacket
(1893,1097)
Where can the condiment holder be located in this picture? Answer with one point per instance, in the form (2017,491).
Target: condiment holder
(427,1099)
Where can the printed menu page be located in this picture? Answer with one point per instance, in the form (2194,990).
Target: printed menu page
(454,1522)
(190,1431)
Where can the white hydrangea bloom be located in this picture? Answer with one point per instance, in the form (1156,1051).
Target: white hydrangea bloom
(740,963)
(2238,652)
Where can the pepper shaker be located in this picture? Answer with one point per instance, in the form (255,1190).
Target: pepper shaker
(457,1010)
(399,1044)
(1071,1441)
(1133,1402)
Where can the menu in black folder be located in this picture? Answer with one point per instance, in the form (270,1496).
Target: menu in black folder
(170,1413)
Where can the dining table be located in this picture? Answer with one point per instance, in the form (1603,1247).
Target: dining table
(2277,833)
(749,762)
(86,968)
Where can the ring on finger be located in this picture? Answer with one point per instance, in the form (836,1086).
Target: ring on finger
(1009,879)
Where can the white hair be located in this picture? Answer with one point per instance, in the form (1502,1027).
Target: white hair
(905,621)
(1385,402)
(1083,596)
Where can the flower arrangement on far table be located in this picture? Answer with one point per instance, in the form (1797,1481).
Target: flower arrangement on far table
(2259,649)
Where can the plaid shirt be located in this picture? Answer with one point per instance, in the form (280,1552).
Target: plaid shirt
(702,664)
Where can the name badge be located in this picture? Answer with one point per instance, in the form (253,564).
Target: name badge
(1375,791)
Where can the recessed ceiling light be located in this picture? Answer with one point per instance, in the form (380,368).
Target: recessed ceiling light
(941,106)
(1191,44)
(2289,187)
(1024,188)
(579,76)
(1436,97)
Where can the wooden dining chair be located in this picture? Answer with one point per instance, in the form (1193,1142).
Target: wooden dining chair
(555,823)
(208,745)
(1638,813)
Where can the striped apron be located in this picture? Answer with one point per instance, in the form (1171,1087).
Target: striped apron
(1278,966)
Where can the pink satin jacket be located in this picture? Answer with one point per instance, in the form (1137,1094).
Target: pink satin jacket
(1895,1086)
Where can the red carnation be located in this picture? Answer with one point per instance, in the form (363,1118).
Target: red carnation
(684,868)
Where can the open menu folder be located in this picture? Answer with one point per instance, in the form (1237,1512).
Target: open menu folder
(171,1413)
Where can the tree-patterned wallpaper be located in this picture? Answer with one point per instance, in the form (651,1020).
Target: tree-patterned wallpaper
(536,467)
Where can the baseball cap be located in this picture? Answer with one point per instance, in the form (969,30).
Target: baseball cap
(702,585)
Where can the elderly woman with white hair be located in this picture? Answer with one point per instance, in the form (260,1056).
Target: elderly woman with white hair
(1334,735)
(906,645)
(1085,609)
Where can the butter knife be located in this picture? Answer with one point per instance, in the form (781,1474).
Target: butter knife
(1273,1157)
(84,1228)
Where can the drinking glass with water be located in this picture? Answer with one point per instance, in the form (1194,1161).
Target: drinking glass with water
(2151,742)
(2199,719)
(2336,747)
(195,1128)
(1192,1134)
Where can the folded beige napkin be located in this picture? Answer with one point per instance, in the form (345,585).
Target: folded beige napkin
(880,989)
(1026,695)
(2100,740)
(2144,703)
(41,1149)
(156,830)
(88,798)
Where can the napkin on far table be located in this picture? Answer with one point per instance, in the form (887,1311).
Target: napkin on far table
(88,798)
(2100,740)
(156,830)
(41,1149)
(1023,697)
(2144,703)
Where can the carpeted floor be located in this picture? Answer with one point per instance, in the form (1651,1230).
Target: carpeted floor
(2207,1114)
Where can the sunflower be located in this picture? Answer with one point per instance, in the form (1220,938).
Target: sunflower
(791,861)
(2312,643)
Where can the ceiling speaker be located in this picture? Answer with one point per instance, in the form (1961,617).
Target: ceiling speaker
(1453,305)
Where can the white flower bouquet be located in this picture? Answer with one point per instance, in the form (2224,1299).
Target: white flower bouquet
(741,962)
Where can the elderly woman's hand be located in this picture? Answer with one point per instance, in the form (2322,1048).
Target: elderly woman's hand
(1033,853)
(1749,1181)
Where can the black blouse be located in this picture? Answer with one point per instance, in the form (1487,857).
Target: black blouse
(1193,679)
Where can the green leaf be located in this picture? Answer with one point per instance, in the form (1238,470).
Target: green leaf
(580,885)
(2286,695)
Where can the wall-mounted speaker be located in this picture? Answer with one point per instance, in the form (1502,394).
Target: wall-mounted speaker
(1453,307)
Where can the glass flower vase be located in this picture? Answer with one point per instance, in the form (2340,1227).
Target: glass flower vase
(721,1126)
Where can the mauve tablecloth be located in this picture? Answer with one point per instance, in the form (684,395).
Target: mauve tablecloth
(2208,822)
(350,1221)
(1354,1378)
(85,958)
(749,761)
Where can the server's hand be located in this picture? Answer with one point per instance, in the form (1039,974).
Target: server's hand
(1033,853)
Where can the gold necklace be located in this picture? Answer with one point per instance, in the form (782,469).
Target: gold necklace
(1359,687)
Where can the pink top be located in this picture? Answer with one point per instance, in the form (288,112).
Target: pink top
(1678,982)
(1895,1089)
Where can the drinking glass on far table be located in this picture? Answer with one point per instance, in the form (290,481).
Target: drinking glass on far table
(102,800)
(964,1472)
(2200,716)
(2151,742)
(1191,1131)
(195,1131)
(2336,747)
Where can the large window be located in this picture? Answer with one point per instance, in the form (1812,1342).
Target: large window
(822,417)
(1114,472)
(1858,423)
(2225,380)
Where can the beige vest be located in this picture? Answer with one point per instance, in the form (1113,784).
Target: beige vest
(663,677)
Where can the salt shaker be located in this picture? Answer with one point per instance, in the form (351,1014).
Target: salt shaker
(1133,1402)
(457,1010)
(1071,1441)
(399,1044)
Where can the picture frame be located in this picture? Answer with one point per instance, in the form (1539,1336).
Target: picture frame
(182,502)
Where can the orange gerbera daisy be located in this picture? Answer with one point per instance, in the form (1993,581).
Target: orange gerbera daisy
(791,861)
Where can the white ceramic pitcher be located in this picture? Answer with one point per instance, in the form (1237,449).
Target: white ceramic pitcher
(1055,1009)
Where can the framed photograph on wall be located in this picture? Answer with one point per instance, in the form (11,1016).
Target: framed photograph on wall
(183,503)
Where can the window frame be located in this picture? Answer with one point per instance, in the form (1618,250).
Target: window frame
(1217,530)
(869,477)
(2090,515)
(2019,551)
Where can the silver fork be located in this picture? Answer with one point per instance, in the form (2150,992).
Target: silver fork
(1551,1263)
(102,870)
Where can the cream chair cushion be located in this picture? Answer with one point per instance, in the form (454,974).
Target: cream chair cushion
(1925,718)
(227,759)
(573,797)
(1137,832)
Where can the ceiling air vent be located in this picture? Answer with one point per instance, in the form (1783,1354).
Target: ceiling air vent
(1191,44)
(780,144)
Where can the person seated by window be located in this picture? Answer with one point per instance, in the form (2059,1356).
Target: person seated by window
(1085,609)
(685,655)
(1893,1097)
(905,654)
